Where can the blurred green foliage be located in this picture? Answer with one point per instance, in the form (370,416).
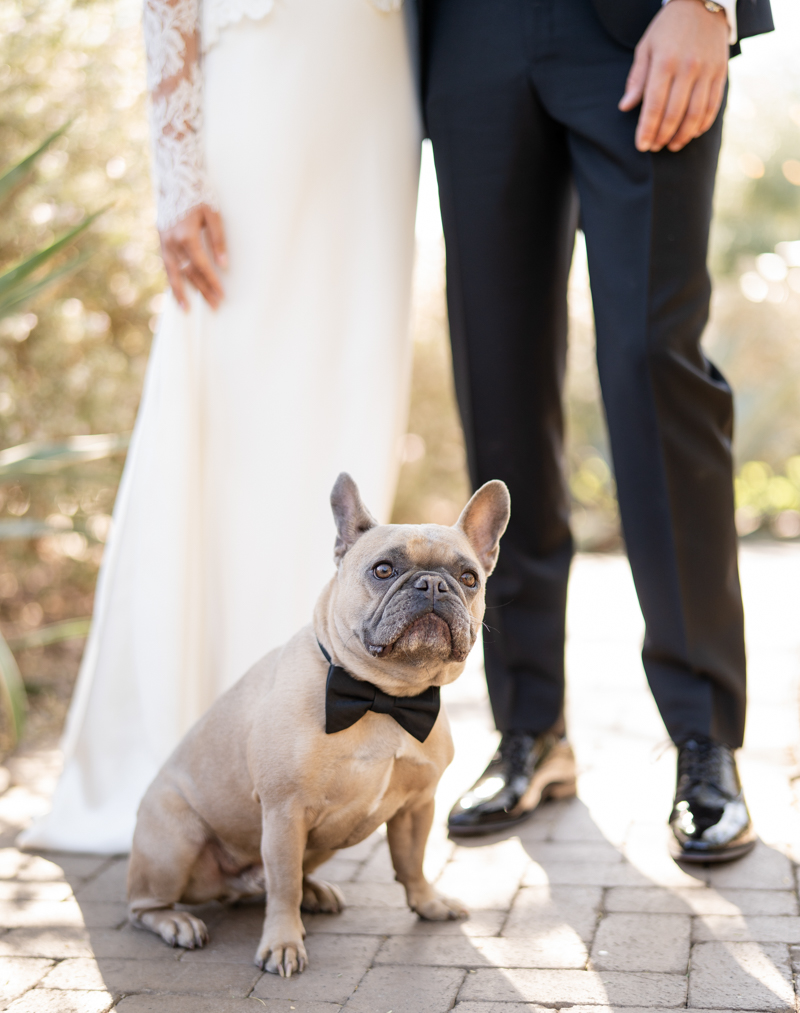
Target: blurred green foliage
(72,361)
(755,255)
(19,284)
(433,484)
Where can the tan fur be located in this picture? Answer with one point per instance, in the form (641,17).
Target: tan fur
(257,796)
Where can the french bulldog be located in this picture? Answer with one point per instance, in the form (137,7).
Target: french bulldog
(324,739)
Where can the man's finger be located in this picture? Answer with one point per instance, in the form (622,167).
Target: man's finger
(216,238)
(715,93)
(654,104)
(689,127)
(637,77)
(680,95)
(199,259)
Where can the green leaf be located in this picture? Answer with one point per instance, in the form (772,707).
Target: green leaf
(12,692)
(11,278)
(54,633)
(13,176)
(24,292)
(43,458)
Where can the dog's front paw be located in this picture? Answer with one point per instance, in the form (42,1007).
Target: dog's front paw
(319,896)
(441,909)
(285,958)
(177,928)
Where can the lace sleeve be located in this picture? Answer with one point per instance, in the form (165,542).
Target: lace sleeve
(174,79)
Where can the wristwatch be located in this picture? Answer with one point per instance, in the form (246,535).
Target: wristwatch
(715,8)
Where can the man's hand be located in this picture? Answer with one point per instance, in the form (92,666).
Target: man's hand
(679,71)
(185,255)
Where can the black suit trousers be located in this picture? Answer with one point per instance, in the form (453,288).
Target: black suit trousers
(521,106)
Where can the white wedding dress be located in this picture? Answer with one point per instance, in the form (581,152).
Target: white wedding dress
(301,127)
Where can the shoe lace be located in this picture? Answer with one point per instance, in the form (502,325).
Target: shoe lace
(699,763)
(516,750)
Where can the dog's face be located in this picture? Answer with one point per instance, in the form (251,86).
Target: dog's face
(408,600)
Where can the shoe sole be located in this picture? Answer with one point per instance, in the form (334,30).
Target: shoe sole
(698,858)
(556,780)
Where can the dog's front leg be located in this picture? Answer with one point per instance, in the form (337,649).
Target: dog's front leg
(408,833)
(283,843)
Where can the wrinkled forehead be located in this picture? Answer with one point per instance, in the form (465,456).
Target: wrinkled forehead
(419,546)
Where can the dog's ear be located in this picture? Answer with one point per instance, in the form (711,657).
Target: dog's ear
(351,516)
(483,520)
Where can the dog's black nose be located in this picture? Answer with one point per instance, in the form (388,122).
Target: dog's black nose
(430,584)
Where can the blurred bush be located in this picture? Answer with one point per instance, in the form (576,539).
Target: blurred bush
(755,255)
(20,283)
(762,496)
(72,361)
(433,484)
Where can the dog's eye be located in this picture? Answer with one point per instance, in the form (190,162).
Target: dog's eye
(383,570)
(469,579)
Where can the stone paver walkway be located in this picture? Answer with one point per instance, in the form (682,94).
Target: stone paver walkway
(580,909)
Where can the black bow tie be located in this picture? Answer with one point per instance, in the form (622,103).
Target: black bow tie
(348,699)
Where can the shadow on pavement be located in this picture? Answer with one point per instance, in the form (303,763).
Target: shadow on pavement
(561,917)
(649,932)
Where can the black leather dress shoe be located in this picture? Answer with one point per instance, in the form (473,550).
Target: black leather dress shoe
(709,821)
(524,770)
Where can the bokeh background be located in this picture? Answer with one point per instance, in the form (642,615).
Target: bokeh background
(72,360)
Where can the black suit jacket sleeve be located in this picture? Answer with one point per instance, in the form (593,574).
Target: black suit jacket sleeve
(626,20)
(754,18)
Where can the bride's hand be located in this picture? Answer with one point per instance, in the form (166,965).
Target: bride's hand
(185,256)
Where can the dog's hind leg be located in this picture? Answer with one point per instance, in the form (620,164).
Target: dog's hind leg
(168,848)
(407,832)
(319,895)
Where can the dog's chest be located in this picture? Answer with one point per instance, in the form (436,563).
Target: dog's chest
(377,770)
(367,788)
